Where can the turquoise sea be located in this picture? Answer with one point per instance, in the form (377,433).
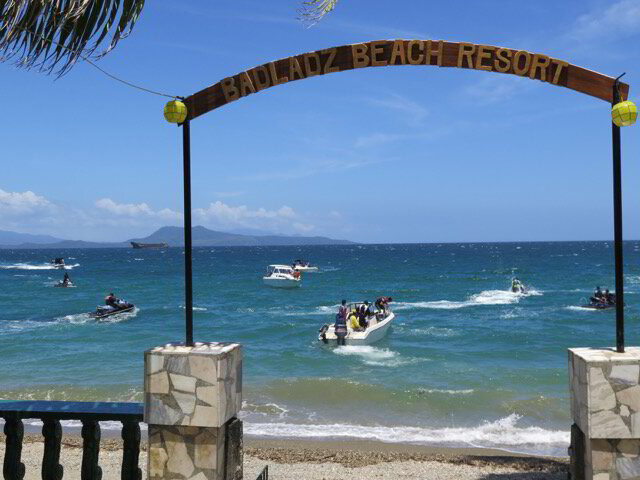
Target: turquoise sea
(466,362)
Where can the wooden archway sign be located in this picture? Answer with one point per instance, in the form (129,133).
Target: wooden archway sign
(381,53)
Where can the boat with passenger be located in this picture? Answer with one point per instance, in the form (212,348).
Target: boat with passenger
(303,266)
(365,324)
(58,262)
(112,306)
(281,276)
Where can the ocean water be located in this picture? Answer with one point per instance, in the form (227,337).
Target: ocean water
(467,363)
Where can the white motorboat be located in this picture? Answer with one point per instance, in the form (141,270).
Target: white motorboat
(379,323)
(282,276)
(302,266)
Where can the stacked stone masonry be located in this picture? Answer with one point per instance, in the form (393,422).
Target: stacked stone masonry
(191,395)
(199,386)
(605,405)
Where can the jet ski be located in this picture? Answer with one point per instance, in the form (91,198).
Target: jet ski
(62,283)
(103,311)
(602,302)
(599,305)
(58,262)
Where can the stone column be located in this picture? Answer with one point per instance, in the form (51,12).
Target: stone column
(605,406)
(191,398)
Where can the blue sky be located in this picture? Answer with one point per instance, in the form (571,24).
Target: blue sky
(394,154)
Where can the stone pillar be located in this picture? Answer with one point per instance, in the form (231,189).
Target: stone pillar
(605,406)
(191,398)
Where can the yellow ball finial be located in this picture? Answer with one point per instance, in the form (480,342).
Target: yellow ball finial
(175,111)
(624,113)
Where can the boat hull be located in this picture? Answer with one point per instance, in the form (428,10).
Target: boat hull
(149,245)
(97,315)
(371,335)
(281,282)
(305,269)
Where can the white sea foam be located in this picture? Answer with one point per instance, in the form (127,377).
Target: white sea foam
(466,391)
(487,297)
(46,266)
(432,331)
(503,433)
(195,309)
(369,355)
(580,309)
(77,424)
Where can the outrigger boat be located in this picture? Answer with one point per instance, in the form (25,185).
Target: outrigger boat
(379,324)
(103,311)
(302,266)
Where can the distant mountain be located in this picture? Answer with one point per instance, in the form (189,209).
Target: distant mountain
(174,236)
(15,238)
(203,237)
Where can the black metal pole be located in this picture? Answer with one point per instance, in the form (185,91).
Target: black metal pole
(188,287)
(617,226)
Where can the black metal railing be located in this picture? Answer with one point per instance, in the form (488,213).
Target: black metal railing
(89,413)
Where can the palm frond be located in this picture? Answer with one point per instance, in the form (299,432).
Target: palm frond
(312,11)
(46,34)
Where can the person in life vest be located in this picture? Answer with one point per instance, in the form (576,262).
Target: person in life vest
(382,303)
(296,274)
(111,300)
(340,327)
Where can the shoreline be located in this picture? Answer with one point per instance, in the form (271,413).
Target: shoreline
(315,459)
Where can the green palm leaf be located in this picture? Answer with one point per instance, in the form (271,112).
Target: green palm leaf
(50,34)
(313,10)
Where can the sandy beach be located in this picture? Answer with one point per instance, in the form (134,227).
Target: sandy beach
(330,460)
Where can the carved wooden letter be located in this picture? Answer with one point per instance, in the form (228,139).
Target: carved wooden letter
(328,66)
(484,51)
(246,87)
(398,52)
(559,66)
(465,51)
(274,75)
(229,89)
(437,52)
(420,58)
(502,62)
(295,68)
(261,78)
(360,57)
(316,62)
(377,50)
(516,62)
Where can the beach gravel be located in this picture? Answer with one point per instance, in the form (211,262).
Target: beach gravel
(295,463)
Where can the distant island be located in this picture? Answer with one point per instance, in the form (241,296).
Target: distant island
(173,236)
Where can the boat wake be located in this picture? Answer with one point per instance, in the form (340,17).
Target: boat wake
(487,297)
(577,308)
(45,266)
(502,434)
(379,357)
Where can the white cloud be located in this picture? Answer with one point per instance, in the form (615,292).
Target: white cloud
(497,88)
(136,210)
(620,19)
(412,112)
(240,215)
(377,139)
(24,203)
(228,194)
(302,227)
